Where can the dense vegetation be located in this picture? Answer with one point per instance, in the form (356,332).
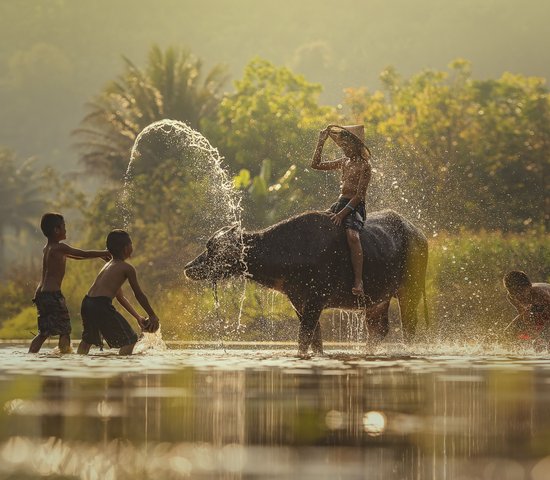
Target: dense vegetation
(468,160)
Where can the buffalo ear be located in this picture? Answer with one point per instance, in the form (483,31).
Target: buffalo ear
(233,227)
(227,230)
(221,231)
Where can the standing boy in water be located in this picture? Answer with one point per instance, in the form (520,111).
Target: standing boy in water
(349,209)
(99,317)
(532,302)
(53,316)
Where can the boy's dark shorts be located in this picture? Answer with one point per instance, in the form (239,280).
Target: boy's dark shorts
(100,319)
(53,315)
(355,220)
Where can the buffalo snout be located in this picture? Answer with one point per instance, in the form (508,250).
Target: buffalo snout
(197,269)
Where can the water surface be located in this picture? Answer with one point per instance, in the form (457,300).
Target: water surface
(264,413)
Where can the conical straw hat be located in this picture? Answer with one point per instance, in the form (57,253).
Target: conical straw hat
(358,132)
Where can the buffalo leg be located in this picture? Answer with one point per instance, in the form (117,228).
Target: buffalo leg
(408,302)
(377,324)
(317,340)
(310,330)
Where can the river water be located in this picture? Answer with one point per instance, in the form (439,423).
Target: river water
(264,413)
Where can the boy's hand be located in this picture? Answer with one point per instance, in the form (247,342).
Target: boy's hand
(338,218)
(153,324)
(106,256)
(143,323)
(149,325)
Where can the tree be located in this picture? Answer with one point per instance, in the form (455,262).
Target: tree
(459,152)
(267,130)
(272,114)
(510,141)
(22,197)
(171,85)
(268,202)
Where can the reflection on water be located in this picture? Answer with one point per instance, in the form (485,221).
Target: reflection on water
(266,413)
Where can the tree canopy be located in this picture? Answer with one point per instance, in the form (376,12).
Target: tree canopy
(172,85)
(468,153)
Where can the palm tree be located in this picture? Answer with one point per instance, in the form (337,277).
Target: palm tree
(21,197)
(171,86)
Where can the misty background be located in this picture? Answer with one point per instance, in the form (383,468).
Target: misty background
(55,55)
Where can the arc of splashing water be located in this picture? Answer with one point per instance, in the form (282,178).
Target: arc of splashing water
(193,139)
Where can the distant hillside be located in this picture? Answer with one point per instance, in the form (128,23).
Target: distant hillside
(56,54)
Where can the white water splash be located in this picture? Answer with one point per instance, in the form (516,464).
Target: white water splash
(151,343)
(193,150)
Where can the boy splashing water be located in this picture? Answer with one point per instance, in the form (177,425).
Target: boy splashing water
(349,210)
(99,317)
(532,303)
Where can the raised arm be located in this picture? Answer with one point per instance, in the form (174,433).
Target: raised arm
(317,162)
(77,254)
(142,298)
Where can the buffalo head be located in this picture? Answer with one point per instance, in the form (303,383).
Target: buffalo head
(222,258)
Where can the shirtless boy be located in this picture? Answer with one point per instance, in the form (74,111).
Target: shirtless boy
(532,302)
(99,317)
(53,316)
(349,209)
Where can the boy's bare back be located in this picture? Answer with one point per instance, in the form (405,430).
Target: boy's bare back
(111,278)
(53,267)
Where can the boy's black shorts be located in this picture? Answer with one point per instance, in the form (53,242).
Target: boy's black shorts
(53,315)
(100,319)
(355,220)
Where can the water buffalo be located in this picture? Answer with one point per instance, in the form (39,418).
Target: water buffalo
(306,257)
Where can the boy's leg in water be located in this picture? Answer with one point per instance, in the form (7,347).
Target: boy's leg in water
(37,342)
(127,349)
(356,251)
(83,348)
(65,344)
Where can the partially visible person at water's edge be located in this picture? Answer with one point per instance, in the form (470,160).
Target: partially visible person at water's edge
(532,302)
(99,316)
(349,210)
(53,316)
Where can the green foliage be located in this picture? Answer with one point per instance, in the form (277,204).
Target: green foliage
(18,287)
(172,85)
(268,202)
(465,153)
(26,192)
(267,128)
(465,272)
(21,326)
(70,48)
(272,114)
(22,197)
(20,192)
(246,312)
